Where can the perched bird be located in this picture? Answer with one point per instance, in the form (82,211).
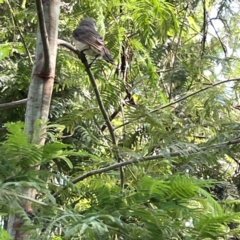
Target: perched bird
(88,40)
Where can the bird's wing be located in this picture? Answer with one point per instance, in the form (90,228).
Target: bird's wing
(90,37)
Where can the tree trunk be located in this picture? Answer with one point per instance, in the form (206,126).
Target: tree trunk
(39,98)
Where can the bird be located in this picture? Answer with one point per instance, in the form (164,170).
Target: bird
(87,40)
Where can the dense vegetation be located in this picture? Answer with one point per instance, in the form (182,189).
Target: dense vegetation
(167,166)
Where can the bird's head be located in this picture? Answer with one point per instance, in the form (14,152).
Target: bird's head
(90,22)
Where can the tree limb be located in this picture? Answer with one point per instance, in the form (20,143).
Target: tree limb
(67,45)
(12,104)
(150,158)
(155,157)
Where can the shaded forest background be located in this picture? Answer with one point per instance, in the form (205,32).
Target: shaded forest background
(168,165)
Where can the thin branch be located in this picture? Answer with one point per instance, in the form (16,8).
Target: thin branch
(99,100)
(98,96)
(194,93)
(237,161)
(33,200)
(175,54)
(204,27)
(23,41)
(23,4)
(150,158)
(155,157)
(181,99)
(44,36)
(20,32)
(123,104)
(104,113)
(13,104)
(67,136)
(219,39)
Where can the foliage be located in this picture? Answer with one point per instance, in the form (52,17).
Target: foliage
(175,95)
(4,235)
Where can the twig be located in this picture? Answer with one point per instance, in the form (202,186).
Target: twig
(194,93)
(44,36)
(237,161)
(123,104)
(12,104)
(20,32)
(67,136)
(219,39)
(204,38)
(181,99)
(175,55)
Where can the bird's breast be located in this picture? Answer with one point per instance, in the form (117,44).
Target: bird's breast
(86,48)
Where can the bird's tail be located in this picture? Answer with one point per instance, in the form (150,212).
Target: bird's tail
(107,56)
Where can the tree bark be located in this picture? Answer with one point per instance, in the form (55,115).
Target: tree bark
(39,99)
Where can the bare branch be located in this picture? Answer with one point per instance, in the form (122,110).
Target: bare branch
(44,36)
(219,39)
(13,104)
(95,88)
(150,158)
(183,98)
(99,99)
(105,116)
(155,157)
(194,93)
